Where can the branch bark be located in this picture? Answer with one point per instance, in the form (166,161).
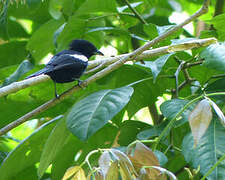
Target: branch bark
(105,71)
(100,63)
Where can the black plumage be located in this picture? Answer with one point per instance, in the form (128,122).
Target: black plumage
(69,65)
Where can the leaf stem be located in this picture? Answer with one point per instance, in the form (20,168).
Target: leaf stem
(213,167)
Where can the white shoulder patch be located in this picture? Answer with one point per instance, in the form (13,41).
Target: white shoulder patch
(81,57)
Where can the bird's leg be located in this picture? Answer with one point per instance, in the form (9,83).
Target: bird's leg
(56,95)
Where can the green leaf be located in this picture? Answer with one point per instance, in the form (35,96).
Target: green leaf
(73,29)
(27,153)
(129,130)
(214,56)
(13,52)
(54,144)
(208,151)
(34,4)
(161,157)
(93,112)
(55,8)
(23,68)
(4,21)
(218,23)
(41,42)
(157,65)
(94,6)
(65,157)
(170,108)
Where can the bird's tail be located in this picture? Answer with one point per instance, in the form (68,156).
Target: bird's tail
(42,71)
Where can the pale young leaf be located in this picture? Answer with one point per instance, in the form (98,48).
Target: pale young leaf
(199,119)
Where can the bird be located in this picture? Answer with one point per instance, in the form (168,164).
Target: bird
(68,65)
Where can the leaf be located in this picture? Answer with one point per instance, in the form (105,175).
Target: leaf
(170,108)
(41,42)
(65,157)
(55,8)
(27,153)
(133,5)
(218,112)
(55,142)
(126,166)
(208,151)
(113,171)
(93,112)
(94,6)
(164,171)
(214,56)
(199,120)
(23,68)
(76,171)
(4,20)
(157,65)
(143,156)
(129,131)
(104,162)
(218,22)
(13,52)
(161,157)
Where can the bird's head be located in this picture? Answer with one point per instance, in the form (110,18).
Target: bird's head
(84,47)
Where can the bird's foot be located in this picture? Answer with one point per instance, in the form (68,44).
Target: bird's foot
(80,83)
(56,96)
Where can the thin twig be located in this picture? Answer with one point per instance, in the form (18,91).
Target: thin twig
(103,72)
(135,12)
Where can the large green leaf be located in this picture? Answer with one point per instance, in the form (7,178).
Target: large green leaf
(27,153)
(214,56)
(93,112)
(208,151)
(54,144)
(41,42)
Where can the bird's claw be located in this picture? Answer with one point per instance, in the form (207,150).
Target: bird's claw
(80,83)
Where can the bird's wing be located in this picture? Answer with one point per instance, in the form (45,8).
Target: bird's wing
(64,61)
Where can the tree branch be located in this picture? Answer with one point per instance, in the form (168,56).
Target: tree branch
(104,72)
(100,63)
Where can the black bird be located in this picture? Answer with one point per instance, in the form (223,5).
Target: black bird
(69,65)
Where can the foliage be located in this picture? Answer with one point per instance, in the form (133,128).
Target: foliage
(160,118)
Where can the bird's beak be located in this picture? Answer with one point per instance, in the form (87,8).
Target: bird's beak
(99,53)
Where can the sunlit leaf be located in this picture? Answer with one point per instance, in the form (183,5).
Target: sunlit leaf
(76,171)
(113,171)
(199,119)
(58,137)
